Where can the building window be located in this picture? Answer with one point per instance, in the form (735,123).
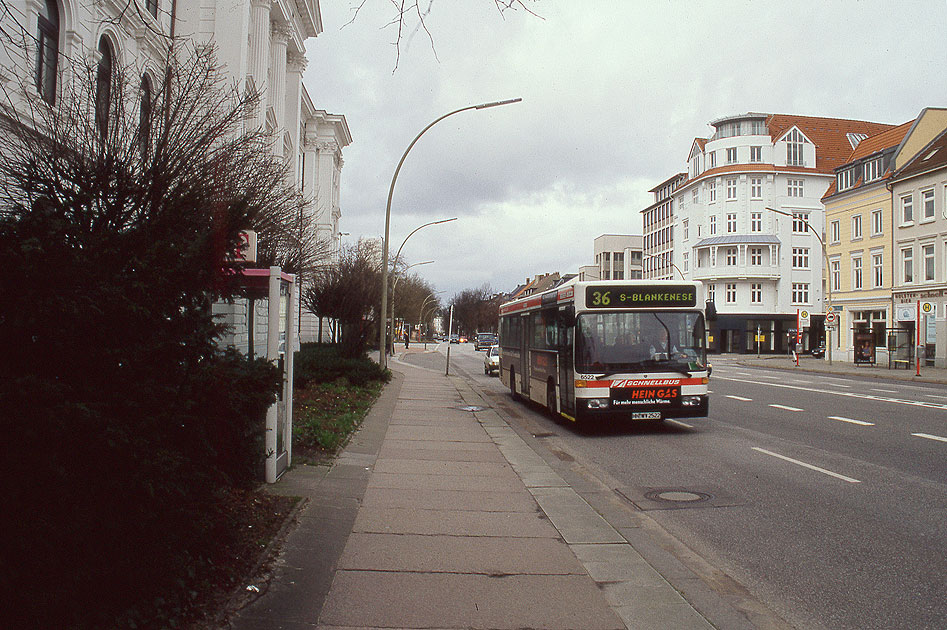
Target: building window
(800,257)
(47,54)
(794,187)
(799,223)
(756,188)
(731,256)
(712,190)
(928,252)
(711,292)
(731,189)
(794,149)
(756,154)
(877,270)
(907,265)
(606,266)
(731,222)
(756,222)
(686,227)
(800,293)
(732,155)
(756,256)
(927,204)
(731,294)
(907,209)
(836,275)
(877,223)
(713,159)
(103,86)
(685,260)
(835,232)
(144,118)
(713,225)
(618,266)
(845,179)
(756,293)
(872,169)
(695,196)
(856,227)
(857,282)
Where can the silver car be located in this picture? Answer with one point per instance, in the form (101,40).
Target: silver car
(491,360)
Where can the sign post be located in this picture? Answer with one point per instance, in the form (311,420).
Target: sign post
(917,350)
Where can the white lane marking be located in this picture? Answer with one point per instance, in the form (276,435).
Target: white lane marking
(805,465)
(786,408)
(851,421)
(897,401)
(936,396)
(742,374)
(679,423)
(739,398)
(886,391)
(930,437)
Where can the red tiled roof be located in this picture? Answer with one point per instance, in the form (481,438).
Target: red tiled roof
(884,140)
(828,134)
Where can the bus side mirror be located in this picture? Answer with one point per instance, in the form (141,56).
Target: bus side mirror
(567,317)
(710,311)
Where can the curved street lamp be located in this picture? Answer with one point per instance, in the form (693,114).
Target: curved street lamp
(676,268)
(828,278)
(382,346)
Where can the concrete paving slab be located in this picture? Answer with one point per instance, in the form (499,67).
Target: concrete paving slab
(458,554)
(433,482)
(453,522)
(443,455)
(436,467)
(426,600)
(576,521)
(439,445)
(439,433)
(415,498)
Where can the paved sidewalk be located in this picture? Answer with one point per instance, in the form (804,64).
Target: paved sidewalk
(439,515)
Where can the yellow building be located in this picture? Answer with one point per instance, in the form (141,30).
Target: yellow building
(859,232)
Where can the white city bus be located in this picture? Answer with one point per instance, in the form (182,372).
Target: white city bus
(631,349)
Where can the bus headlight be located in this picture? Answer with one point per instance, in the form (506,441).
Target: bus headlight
(690,401)
(598,403)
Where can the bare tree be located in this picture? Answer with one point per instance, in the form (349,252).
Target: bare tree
(410,16)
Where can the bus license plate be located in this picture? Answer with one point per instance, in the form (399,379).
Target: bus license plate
(646,415)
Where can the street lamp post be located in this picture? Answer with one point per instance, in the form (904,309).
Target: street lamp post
(383,359)
(394,286)
(676,268)
(828,278)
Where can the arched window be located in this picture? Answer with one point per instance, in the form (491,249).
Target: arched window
(103,85)
(47,58)
(144,117)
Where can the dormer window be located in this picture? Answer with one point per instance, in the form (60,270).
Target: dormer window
(794,149)
(873,169)
(845,179)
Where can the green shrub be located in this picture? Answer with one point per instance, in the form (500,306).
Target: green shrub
(323,363)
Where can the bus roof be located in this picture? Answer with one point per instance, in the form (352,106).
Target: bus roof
(574,289)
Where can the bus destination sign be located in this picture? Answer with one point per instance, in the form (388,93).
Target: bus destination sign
(640,296)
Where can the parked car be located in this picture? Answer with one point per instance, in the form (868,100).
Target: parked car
(491,360)
(485,340)
(455,338)
(818,352)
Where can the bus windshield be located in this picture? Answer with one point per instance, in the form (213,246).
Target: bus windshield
(630,341)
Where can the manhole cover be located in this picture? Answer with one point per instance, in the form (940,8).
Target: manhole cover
(677,496)
(472,408)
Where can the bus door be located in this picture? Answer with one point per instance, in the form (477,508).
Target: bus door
(522,370)
(566,362)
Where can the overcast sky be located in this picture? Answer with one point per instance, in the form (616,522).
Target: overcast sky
(614,92)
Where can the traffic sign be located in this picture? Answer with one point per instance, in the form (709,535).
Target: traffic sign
(928,308)
(831,317)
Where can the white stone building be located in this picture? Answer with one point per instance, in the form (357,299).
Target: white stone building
(259,43)
(748,218)
(617,257)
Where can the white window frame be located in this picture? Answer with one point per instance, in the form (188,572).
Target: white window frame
(756,188)
(795,149)
(712,191)
(907,209)
(795,187)
(835,274)
(877,222)
(756,256)
(731,256)
(731,189)
(713,225)
(731,295)
(858,275)
(800,257)
(731,222)
(877,270)
(731,155)
(800,222)
(857,233)
(800,293)
(756,221)
(927,205)
(756,293)
(907,265)
(835,231)
(756,154)
(927,254)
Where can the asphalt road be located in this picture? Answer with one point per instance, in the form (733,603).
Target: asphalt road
(824,496)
